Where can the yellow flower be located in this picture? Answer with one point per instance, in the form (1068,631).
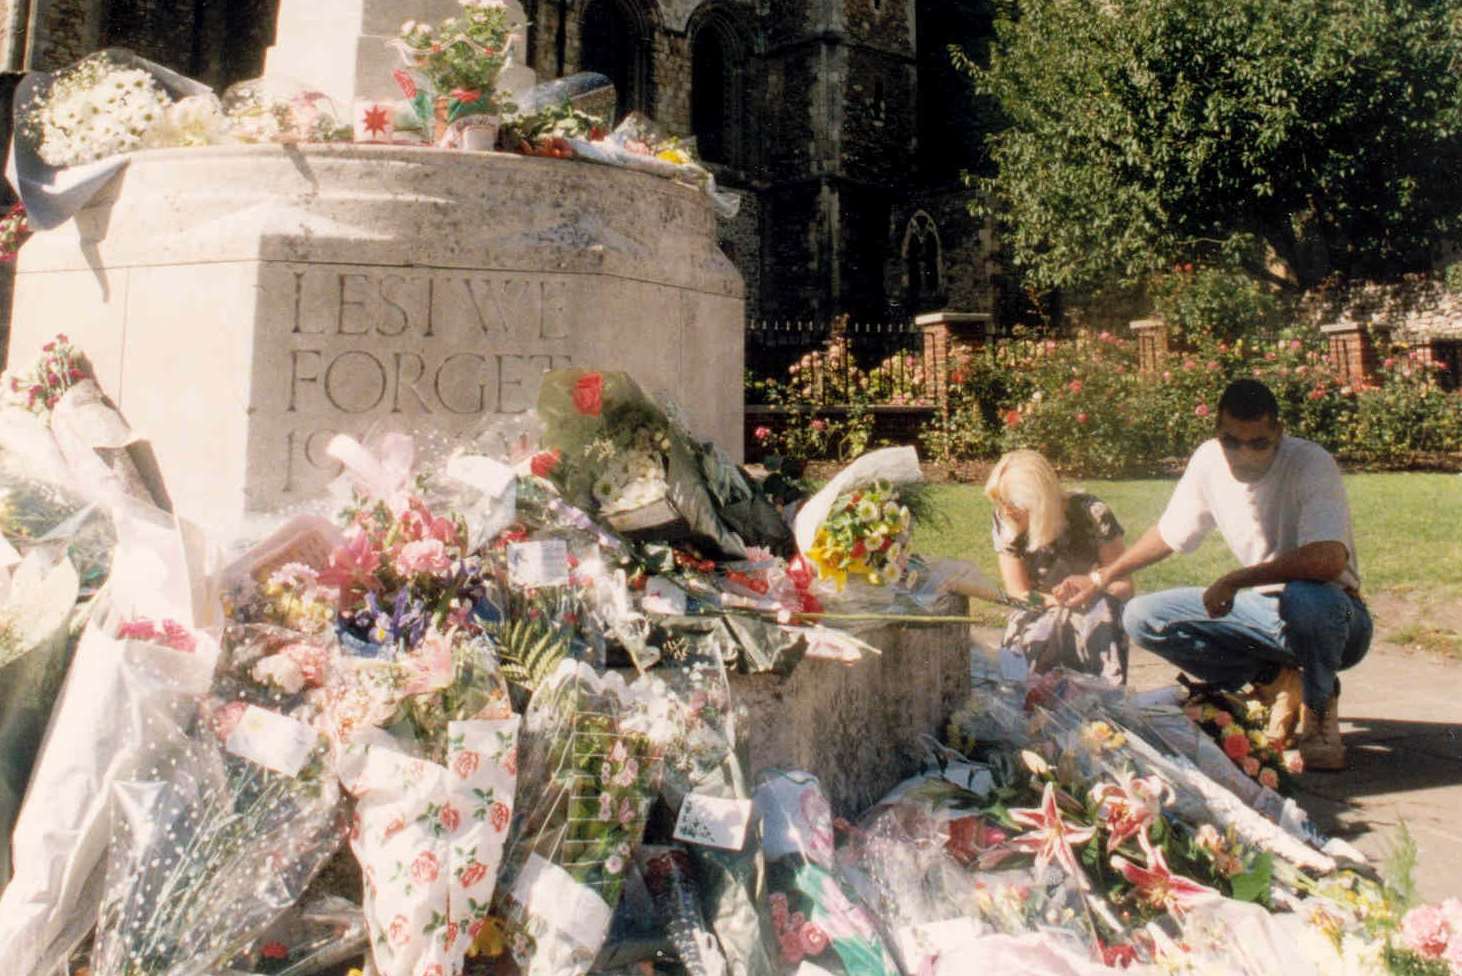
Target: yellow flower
(677,156)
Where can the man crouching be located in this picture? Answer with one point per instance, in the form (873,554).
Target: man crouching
(1292,617)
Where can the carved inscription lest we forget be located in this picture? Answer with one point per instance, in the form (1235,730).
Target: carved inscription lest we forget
(411,348)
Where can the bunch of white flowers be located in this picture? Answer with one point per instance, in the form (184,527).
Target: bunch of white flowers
(197,120)
(94,109)
(634,478)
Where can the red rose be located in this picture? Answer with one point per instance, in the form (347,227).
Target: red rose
(465,764)
(425,868)
(449,818)
(466,95)
(274,950)
(472,874)
(500,817)
(543,463)
(398,931)
(589,394)
(1236,746)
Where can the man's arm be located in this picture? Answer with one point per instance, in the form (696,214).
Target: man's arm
(1078,591)
(1319,561)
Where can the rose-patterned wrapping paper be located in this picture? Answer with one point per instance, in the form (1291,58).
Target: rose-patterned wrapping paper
(429,839)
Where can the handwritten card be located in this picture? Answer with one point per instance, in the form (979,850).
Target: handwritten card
(544,562)
(714,821)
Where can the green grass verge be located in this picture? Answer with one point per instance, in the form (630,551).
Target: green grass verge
(1406,530)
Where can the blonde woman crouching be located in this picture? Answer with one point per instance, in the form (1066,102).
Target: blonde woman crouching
(1043,535)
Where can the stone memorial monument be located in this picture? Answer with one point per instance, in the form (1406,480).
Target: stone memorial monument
(242,304)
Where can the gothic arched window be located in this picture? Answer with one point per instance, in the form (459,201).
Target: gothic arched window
(616,43)
(718,116)
(923,262)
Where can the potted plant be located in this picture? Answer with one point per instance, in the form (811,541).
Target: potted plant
(452,71)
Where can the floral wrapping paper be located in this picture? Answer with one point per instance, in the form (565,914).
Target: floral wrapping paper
(429,839)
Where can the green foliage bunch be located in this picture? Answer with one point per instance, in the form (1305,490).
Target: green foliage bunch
(1293,140)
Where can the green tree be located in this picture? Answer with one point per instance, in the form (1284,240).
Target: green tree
(1294,138)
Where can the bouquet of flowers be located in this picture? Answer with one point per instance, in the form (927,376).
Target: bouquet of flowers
(454,66)
(120,712)
(263,110)
(429,838)
(610,450)
(61,367)
(212,846)
(103,105)
(1239,728)
(670,877)
(858,524)
(14,231)
(867,536)
(90,434)
(316,934)
(593,750)
(814,914)
(547,131)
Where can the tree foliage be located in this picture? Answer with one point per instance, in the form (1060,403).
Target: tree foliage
(1298,138)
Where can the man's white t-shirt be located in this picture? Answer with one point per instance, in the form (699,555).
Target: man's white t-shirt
(1300,500)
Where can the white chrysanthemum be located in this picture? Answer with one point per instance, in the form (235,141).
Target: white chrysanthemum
(197,120)
(867,510)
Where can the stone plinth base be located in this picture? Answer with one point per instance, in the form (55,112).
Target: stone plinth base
(858,728)
(243,304)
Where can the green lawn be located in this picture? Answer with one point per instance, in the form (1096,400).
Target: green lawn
(1408,530)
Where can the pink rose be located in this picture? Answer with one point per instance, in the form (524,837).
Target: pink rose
(778,902)
(465,764)
(1201,410)
(423,556)
(449,818)
(393,828)
(1250,766)
(1425,931)
(761,434)
(425,868)
(399,931)
(1223,719)
(1294,762)
(500,816)
(791,945)
(1269,778)
(814,940)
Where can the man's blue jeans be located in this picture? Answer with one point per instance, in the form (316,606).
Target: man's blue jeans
(1316,627)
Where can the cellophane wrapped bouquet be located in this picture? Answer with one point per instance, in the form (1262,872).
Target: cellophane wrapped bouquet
(815,915)
(855,531)
(593,752)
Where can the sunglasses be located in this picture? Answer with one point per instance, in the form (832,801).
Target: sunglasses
(1256,444)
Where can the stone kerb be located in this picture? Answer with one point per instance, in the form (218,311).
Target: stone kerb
(244,304)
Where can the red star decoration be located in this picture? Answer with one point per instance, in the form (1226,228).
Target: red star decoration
(376,120)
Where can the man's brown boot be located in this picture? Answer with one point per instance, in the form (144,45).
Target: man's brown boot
(1319,744)
(1283,696)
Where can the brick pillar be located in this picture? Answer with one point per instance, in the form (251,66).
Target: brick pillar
(1354,348)
(945,334)
(1152,343)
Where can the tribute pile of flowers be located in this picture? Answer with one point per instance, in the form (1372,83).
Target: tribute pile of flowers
(514,711)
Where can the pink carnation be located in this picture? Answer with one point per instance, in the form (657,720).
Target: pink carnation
(1425,931)
(1223,719)
(423,556)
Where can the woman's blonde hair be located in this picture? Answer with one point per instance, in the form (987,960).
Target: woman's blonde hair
(1026,480)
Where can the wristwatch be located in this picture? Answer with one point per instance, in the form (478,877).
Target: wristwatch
(1096,580)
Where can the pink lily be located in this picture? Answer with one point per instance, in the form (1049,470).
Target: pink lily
(1050,837)
(1127,806)
(1157,886)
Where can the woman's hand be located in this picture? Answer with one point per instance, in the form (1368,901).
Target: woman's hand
(1075,592)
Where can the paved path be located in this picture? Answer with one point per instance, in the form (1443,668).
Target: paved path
(1401,714)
